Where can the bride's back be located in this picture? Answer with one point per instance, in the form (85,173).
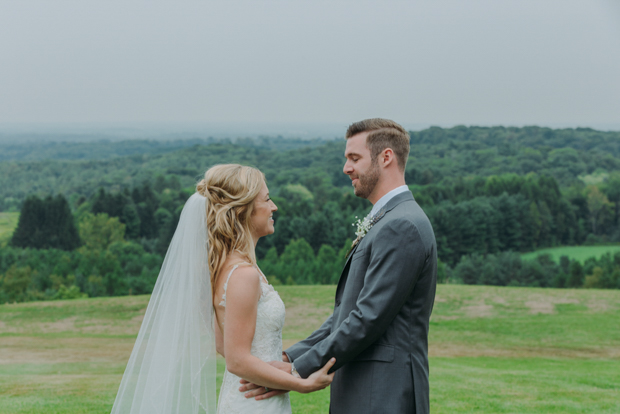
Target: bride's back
(236,259)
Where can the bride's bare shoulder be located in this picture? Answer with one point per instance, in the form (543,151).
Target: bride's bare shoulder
(233,260)
(245,275)
(243,286)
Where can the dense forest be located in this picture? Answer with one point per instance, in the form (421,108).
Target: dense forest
(100,224)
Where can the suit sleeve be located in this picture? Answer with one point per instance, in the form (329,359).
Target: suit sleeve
(398,255)
(302,347)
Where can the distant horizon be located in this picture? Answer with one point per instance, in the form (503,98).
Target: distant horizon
(87,131)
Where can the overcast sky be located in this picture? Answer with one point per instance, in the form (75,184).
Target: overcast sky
(484,62)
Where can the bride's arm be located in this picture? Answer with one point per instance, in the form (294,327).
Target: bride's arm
(242,295)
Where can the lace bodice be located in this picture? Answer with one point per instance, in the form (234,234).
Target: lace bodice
(266,345)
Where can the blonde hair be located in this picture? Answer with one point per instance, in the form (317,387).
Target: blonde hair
(384,133)
(230,190)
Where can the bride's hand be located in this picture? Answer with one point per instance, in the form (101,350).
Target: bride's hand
(261,393)
(319,379)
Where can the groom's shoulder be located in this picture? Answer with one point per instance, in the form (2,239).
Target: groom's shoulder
(409,216)
(408,210)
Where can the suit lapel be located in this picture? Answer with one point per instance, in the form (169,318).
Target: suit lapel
(345,273)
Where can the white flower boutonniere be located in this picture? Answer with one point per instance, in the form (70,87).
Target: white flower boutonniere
(363,227)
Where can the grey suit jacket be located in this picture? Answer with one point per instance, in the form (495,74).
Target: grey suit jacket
(378,332)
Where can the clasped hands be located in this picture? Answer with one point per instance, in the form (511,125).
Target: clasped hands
(262,393)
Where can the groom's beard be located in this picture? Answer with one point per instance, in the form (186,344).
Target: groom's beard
(367,181)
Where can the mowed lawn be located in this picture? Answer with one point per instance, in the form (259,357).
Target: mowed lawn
(8,223)
(580,253)
(493,350)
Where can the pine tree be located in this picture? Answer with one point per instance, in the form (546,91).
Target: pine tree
(45,224)
(31,221)
(576,276)
(60,229)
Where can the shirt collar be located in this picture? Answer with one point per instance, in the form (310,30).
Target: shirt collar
(384,200)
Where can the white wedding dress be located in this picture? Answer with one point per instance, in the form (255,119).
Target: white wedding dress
(172,368)
(266,345)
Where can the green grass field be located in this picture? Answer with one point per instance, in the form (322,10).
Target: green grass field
(8,223)
(492,350)
(580,253)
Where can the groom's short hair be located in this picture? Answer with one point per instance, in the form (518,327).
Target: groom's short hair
(384,133)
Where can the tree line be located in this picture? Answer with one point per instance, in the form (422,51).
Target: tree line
(111,240)
(507,269)
(518,213)
(120,239)
(437,154)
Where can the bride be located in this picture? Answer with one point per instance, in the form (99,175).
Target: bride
(211,294)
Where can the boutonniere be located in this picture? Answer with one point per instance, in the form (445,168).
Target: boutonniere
(363,226)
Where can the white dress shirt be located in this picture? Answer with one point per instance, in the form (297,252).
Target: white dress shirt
(384,200)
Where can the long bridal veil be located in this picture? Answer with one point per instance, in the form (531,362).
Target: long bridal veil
(172,365)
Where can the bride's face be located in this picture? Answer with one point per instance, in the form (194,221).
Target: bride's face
(262,217)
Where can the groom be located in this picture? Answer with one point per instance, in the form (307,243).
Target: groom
(378,332)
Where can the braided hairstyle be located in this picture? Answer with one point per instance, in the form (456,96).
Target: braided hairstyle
(230,190)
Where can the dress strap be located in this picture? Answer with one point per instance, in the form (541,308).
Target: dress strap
(223,302)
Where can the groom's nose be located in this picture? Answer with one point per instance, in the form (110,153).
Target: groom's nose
(347,169)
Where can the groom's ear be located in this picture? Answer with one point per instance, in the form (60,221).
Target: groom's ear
(387,157)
